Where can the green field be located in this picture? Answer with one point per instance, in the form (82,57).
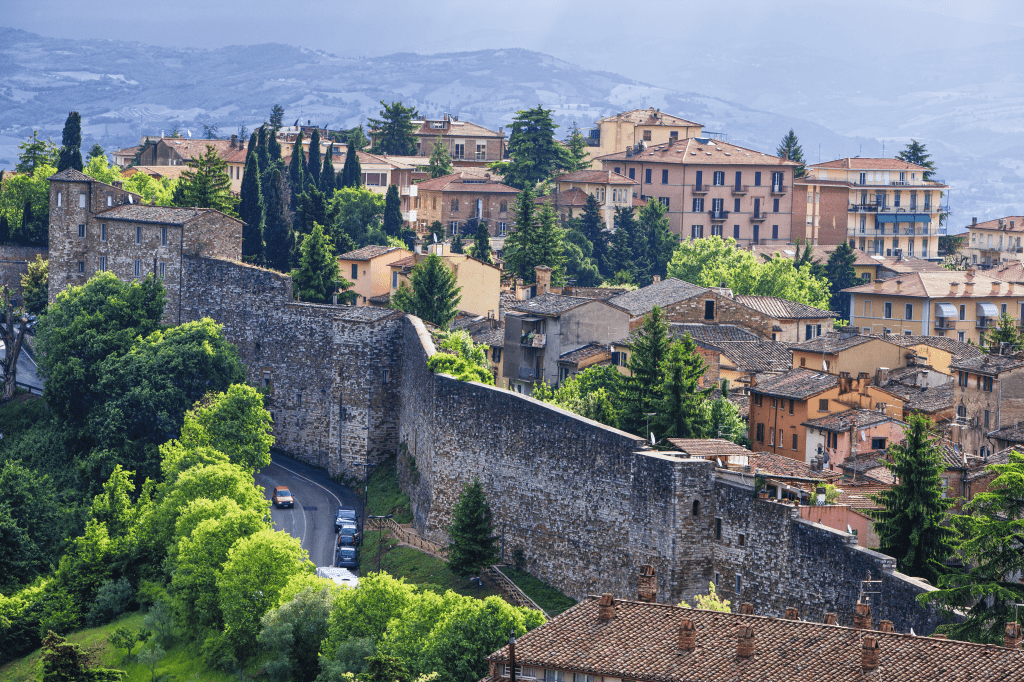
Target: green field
(546,597)
(384,495)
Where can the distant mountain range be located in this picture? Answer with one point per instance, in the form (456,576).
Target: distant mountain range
(127,89)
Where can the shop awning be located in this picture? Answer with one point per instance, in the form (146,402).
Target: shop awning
(946,310)
(987,310)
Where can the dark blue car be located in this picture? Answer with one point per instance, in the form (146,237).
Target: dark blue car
(348,557)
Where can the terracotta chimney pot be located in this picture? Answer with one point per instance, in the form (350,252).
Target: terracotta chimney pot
(831,619)
(792,613)
(746,609)
(878,285)
(869,654)
(745,641)
(606,608)
(862,617)
(647,584)
(687,635)
(1012,637)
(939,637)
(886,626)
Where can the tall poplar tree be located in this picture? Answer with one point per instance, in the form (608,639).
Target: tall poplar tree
(680,402)
(251,211)
(912,525)
(791,150)
(351,172)
(392,212)
(648,350)
(71,144)
(393,131)
(327,179)
(313,164)
(277,232)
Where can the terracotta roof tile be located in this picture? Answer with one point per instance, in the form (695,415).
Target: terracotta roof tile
(833,342)
(700,151)
(756,356)
(455,128)
(934,285)
(494,338)
(783,309)
(768,463)
(549,304)
(142,213)
(584,353)
(847,419)
(368,252)
(859,163)
(465,182)
(570,197)
(711,333)
(708,447)
(596,177)
(958,349)
(928,400)
(798,384)
(70,175)
(989,364)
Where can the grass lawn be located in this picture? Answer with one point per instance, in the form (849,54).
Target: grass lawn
(385,497)
(182,663)
(547,597)
(416,567)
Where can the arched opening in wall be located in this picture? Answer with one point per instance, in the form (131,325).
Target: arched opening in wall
(696,507)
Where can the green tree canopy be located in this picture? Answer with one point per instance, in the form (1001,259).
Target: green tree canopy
(649,346)
(35,284)
(351,172)
(593,227)
(652,224)
(393,131)
(279,237)
(460,357)
(594,393)
(313,162)
(534,154)
(293,632)
(276,116)
(205,184)
(328,178)
(575,152)
(359,212)
(680,402)
(537,240)
(481,249)
(434,294)
(64,661)
(35,153)
(917,153)
(1005,338)
(912,525)
(297,168)
(392,212)
(317,274)
(791,150)
(251,210)
(71,143)
(473,543)
(440,160)
(841,275)
(233,422)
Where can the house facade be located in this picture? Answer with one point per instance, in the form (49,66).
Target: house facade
(369,270)
(843,434)
(881,206)
(992,242)
(713,188)
(161,152)
(641,126)
(467,143)
(479,282)
(610,189)
(460,199)
(988,397)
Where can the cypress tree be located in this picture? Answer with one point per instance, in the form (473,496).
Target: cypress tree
(593,228)
(680,400)
(313,164)
(251,211)
(328,181)
(297,168)
(622,257)
(473,542)
(273,145)
(312,206)
(71,144)
(457,244)
(482,243)
(254,141)
(278,234)
(351,172)
(649,346)
(392,212)
(262,154)
(5,230)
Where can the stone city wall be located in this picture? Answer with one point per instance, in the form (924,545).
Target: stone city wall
(14,262)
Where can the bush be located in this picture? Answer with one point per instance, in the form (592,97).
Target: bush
(112,599)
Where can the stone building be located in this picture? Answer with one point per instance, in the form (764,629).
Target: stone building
(98,227)
(850,352)
(989,395)
(710,188)
(467,143)
(167,155)
(995,241)
(457,199)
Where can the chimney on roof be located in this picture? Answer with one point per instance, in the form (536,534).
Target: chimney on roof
(878,285)
(974,221)
(995,286)
(862,616)
(745,641)
(687,639)
(869,654)
(899,285)
(886,626)
(831,619)
(1012,637)
(234,140)
(746,609)
(606,608)
(647,584)
(1011,224)
(543,279)
(792,613)
(954,287)
(969,286)
(656,279)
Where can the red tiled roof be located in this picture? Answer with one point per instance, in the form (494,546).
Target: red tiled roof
(596,177)
(650,117)
(782,308)
(369,252)
(768,463)
(858,163)
(465,182)
(798,384)
(1018,224)
(574,197)
(843,421)
(457,128)
(702,151)
(708,447)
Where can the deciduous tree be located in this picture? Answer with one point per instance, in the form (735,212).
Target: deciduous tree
(233,422)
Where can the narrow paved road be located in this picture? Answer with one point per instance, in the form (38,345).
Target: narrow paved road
(317,498)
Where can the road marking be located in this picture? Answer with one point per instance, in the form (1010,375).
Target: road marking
(295,473)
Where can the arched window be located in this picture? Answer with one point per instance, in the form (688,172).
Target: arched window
(696,507)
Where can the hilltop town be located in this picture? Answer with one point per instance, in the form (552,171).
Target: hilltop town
(624,403)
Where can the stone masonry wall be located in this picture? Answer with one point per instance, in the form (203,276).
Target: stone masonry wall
(14,262)
(727,311)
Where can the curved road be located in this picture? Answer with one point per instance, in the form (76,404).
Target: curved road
(317,498)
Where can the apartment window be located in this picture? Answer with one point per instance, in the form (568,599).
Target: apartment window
(963,312)
(697,231)
(808,332)
(502,229)
(647,176)
(757,231)
(794,441)
(960,337)
(792,403)
(664,176)
(453,227)
(760,433)
(803,362)
(81,231)
(739,179)
(718,529)
(698,204)
(663,201)
(775,402)
(110,199)
(863,224)
(908,311)
(455,205)
(823,405)
(632,173)
(617,170)
(394,279)
(986,418)
(496,354)
(771,436)
(986,384)
(163,269)
(775,231)
(433,203)
(888,311)
(58,199)
(736,232)
(709,310)
(81,200)
(878,443)
(757,178)
(103,263)
(716,230)
(163,236)
(647,136)
(554,676)
(355,271)
(1002,309)
(481,151)
(459,151)
(776,181)
(503,206)
(81,266)
(758,399)
(698,179)
(138,234)
(896,198)
(863,178)
(267,380)
(719,178)
(736,205)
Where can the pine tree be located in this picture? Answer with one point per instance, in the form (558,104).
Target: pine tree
(276,117)
(96,151)
(317,275)
(575,151)
(351,173)
(393,131)
(313,164)
(65,661)
(592,226)
(392,212)
(71,144)
(328,181)
(791,150)
(1004,338)
(277,231)
(482,243)
(649,348)
(680,402)
(440,160)
(457,246)
(251,211)
(841,275)
(434,295)
(912,524)
(34,153)
(917,153)
(533,152)
(205,184)
(537,240)
(473,542)
(623,258)
(297,168)
(661,242)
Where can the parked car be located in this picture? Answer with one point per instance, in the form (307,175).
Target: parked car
(348,557)
(348,536)
(282,497)
(345,515)
(350,528)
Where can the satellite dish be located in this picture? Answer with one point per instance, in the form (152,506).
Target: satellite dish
(653,441)
(848,529)
(435,237)
(912,633)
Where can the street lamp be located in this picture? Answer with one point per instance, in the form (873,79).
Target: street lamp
(380,538)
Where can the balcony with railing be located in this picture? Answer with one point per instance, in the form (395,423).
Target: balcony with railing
(758,216)
(718,215)
(778,189)
(943,324)
(532,340)
(700,188)
(863,208)
(529,374)
(739,190)
(985,323)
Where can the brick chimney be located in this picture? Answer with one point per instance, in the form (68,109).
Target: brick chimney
(886,626)
(899,285)
(746,609)
(687,636)
(1012,637)
(995,287)
(878,285)
(954,287)
(792,613)
(869,654)
(656,279)
(862,617)
(543,279)
(969,288)
(831,619)
(647,584)
(745,641)
(606,608)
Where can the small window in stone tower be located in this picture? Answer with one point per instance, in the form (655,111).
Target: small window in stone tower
(81,231)
(696,507)
(163,236)
(138,234)
(385,375)
(81,200)
(718,529)
(709,310)
(163,269)
(267,381)
(58,199)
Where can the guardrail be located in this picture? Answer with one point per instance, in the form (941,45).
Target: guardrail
(511,591)
(409,537)
(34,390)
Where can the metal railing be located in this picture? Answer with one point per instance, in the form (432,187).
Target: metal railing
(758,215)
(700,188)
(778,189)
(740,189)
(409,537)
(528,374)
(718,215)
(511,591)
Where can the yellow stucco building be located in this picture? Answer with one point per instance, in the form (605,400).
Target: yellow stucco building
(630,128)
(480,282)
